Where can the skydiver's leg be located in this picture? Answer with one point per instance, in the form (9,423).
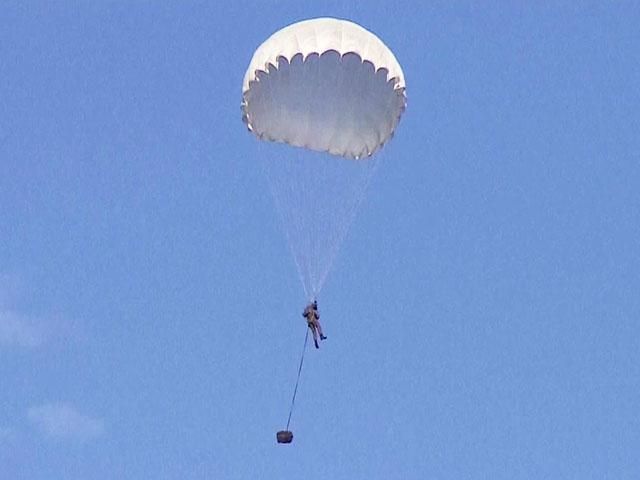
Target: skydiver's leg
(319,327)
(315,334)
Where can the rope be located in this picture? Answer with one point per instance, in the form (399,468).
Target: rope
(295,390)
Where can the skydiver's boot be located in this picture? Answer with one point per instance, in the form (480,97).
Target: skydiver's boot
(323,337)
(316,343)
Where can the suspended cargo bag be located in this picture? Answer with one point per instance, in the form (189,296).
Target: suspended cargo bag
(284,436)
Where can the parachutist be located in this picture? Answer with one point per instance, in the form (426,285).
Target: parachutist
(313,321)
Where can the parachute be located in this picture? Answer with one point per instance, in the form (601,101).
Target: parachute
(336,91)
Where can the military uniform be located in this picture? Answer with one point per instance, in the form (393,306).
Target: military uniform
(313,322)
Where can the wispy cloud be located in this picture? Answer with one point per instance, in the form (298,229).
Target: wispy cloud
(61,420)
(5,432)
(16,328)
(8,288)
(21,330)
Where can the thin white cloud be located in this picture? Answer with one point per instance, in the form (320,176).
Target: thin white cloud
(61,420)
(8,288)
(21,330)
(5,432)
(16,329)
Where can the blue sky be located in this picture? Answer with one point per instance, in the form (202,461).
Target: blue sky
(482,314)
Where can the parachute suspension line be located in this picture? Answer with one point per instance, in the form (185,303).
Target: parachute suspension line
(340,235)
(284,221)
(317,197)
(295,390)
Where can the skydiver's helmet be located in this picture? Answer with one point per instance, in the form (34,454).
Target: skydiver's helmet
(315,305)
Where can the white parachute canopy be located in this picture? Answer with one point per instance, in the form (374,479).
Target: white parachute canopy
(329,86)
